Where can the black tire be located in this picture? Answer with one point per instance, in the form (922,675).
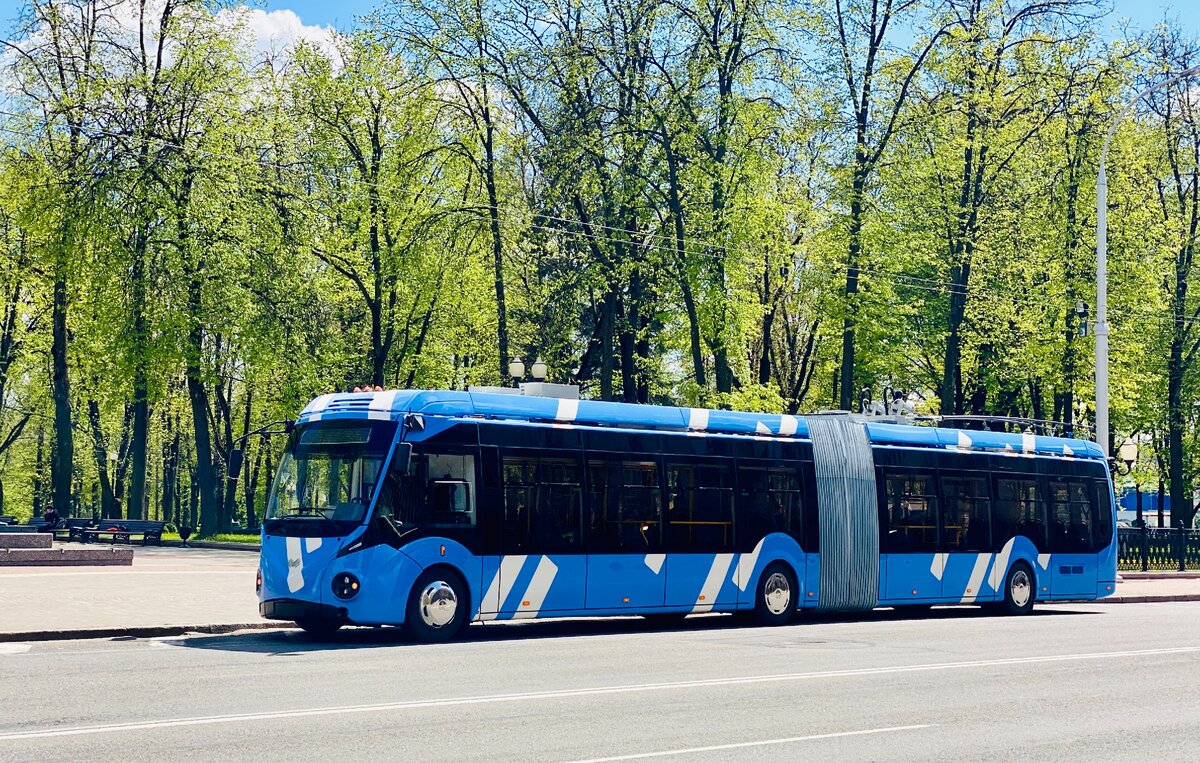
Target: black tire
(1020,589)
(664,619)
(319,627)
(438,606)
(777,596)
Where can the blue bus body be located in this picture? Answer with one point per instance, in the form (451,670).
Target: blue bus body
(543,507)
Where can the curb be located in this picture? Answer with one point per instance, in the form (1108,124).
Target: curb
(1160,575)
(1148,599)
(152,631)
(255,547)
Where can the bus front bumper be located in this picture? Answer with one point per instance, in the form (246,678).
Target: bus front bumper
(294,609)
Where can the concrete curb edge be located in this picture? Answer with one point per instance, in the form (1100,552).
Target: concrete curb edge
(152,631)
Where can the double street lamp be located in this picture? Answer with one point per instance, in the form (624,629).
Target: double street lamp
(1102,262)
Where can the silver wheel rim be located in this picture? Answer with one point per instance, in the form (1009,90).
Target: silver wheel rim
(1020,588)
(777,593)
(439,604)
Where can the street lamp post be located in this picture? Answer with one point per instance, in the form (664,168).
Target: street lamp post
(1102,262)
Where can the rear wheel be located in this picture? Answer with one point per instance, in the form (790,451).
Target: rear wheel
(437,606)
(320,627)
(776,598)
(1019,590)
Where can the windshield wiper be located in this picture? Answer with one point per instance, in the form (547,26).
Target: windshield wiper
(309,511)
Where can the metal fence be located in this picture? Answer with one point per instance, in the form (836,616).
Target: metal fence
(1158,548)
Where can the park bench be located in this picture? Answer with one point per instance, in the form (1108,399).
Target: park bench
(122,530)
(71,528)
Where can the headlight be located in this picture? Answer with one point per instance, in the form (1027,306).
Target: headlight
(345,585)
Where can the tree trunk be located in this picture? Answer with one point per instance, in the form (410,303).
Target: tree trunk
(100,451)
(62,464)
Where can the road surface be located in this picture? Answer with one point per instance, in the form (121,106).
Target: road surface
(1078,682)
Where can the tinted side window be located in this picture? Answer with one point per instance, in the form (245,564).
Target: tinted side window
(910,508)
(966,513)
(1070,516)
(624,505)
(1103,524)
(769,501)
(1020,510)
(543,505)
(700,507)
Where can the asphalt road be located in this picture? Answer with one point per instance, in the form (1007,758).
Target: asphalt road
(1080,682)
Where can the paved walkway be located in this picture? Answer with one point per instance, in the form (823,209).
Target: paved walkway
(165,587)
(177,588)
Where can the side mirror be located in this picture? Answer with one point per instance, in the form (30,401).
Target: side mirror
(415,422)
(402,459)
(235,464)
(288,425)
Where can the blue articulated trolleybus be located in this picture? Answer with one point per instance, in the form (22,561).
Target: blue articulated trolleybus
(432,509)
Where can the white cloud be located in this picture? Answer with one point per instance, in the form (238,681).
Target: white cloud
(273,35)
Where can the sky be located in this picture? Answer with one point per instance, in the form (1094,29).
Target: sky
(340,14)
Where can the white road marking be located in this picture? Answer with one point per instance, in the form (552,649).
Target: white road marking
(15,648)
(763,743)
(422,704)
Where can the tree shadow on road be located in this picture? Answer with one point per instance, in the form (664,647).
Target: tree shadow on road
(293,642)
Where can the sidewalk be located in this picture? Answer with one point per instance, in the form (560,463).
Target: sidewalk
(173,590)
(166,591)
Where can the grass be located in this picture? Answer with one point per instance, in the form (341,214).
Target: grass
(221,537)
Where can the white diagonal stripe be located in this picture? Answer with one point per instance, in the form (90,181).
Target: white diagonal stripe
(698,418)
(567,410)
(312,544)
(938,567)
(788,424)
(1001,566)
(295,563)
(976,579)
(1044,561)
(712,583)
(382,401)
(1028,443)
(655,562)
(535,594)
(745,566)
(762,428)
(502,583)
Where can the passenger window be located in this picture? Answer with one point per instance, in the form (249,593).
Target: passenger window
(1020,510)
(451,489)
(625,505)
(966,515)
(912,512)
(1071,511)
(1103,523)
(700,507)
(769,499)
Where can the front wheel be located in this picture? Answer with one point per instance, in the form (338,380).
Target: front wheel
(437,606)
(1019,590)
(776,598)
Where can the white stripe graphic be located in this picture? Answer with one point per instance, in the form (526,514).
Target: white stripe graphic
(422,704)
(1001,566)
(697,418)
(939,565)
(976,579)
(318,405)
(1067,451)
(712,583)
(964,442)
(1028,443)
(788,424)
(312,544)
(745,567)
(655,562)
(567,410)
(761,743)
(382,401)
(1044,561)
(502,583)
(295,563)
(535,594)
(762,428)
